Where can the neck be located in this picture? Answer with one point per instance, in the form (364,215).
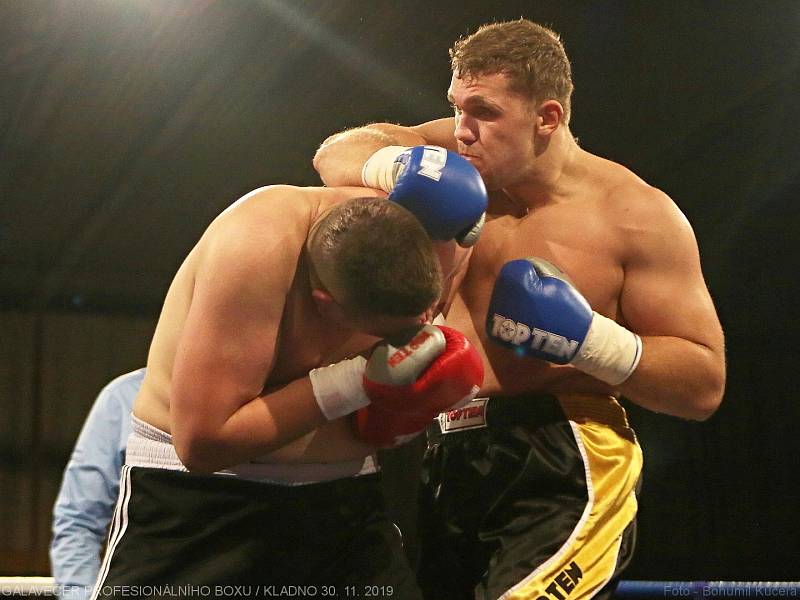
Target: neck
(551,174)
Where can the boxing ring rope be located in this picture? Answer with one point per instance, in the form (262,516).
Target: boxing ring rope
(627,589)
(632,590)
(27,586)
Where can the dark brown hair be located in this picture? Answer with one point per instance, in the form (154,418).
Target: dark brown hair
(380,256)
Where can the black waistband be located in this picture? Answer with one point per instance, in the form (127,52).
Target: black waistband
(531,410)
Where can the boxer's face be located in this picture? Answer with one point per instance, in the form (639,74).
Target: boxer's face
(388,326)
(381,326)
(331,303)
(495,128)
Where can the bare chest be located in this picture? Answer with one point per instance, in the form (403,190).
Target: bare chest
(583,246)
(585,249)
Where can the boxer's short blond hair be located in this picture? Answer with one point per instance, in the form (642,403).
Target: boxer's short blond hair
(531,55)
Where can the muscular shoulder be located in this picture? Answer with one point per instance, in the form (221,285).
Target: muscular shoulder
(271,223)
(648,220)
(262,230)
(626,197)
(328,196)
(298,200)
(281,210)
(268,203)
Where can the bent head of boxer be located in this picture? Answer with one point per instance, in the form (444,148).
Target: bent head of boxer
(373,265)
(381,275)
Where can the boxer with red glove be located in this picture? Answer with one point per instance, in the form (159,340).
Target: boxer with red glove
(401,388)
(437,370)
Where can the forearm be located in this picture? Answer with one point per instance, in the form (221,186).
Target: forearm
(75,560)
(341,157)
(677,377)
(89,489)
(258,427)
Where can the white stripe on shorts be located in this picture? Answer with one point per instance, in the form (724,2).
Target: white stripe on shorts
(119,524)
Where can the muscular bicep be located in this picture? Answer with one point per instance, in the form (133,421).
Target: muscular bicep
(228,342)
(664,292)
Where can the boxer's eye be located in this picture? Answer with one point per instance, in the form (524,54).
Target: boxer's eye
(484,113)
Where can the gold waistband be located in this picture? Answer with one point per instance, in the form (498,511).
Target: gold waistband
(583,408)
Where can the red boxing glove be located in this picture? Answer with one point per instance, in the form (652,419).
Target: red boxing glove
(437,370)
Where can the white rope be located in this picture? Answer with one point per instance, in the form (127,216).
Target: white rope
(27,586)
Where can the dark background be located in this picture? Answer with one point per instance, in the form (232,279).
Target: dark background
(127,125)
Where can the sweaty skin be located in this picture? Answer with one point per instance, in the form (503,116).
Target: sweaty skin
(237,335)
(624,244)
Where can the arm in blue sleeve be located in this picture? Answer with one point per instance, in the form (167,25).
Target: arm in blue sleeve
(89,489)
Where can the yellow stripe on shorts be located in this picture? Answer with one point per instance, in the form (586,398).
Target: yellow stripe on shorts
(613,462)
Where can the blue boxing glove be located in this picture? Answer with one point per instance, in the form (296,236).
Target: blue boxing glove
(536,311)
(442,189)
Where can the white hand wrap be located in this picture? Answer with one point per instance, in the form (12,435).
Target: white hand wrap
(610,352)
(439,320)
(380,170)
(338,388)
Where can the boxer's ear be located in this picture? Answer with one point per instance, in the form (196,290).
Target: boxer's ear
(549,115)
(327,305)
(322,298)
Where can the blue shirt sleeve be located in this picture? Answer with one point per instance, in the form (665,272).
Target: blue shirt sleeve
(90,486)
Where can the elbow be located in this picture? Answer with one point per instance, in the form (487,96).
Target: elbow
(322,163)
(703,411)
(708,400)
(704,395)
(326,174)
(198,453)
(319,157)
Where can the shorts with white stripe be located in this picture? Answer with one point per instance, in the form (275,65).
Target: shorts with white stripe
(539,503)
(178,534)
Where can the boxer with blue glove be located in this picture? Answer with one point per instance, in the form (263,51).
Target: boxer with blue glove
(442,189)
(531,493)
(536,311)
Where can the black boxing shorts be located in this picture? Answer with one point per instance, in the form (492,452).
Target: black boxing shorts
(180,535)
(530,497)
(176,534)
